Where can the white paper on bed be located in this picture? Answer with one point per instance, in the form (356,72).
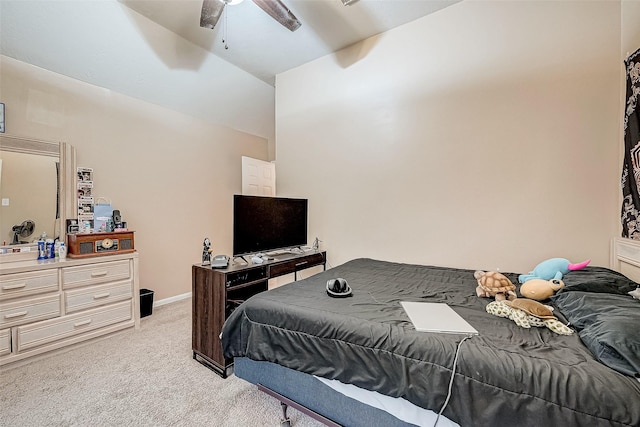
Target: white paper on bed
(436,317)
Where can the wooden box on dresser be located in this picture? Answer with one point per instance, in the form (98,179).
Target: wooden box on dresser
(48,305)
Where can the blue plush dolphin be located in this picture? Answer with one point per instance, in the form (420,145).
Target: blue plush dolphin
(553,268)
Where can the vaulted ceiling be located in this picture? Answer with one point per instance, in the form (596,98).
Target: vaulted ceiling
(259,45)
(155,50)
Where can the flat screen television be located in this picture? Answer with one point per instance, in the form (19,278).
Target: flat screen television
(262,224)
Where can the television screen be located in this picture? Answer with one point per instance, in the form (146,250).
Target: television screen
(263,224)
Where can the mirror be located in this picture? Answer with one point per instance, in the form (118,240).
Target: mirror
(36,183)
(29,192)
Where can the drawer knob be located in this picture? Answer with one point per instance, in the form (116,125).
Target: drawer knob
(16,314)
(16,286)
(100,296)
(99,273)
(84,322)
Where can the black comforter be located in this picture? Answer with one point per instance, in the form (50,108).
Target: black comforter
(506,375)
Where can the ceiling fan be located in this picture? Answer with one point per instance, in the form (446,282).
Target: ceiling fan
(212,10)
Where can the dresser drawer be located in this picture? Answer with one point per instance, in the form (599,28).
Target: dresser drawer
(29,310)
(37,334)
(5,341)
(95,296)
(23,284)
(294,265)
(85,275)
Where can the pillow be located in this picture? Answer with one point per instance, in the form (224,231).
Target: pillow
(597,279)
(607,324)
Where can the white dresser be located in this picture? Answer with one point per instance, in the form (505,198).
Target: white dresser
(45,306)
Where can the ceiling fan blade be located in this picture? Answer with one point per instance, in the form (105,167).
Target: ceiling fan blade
(278,11)
(211,12)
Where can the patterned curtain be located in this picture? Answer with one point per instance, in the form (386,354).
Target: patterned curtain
(631,164)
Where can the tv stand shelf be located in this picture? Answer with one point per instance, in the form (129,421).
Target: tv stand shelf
(217,292)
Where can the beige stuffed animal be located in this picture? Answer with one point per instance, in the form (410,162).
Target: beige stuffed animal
(540,289)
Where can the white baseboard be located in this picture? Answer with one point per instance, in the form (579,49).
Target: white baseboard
(172,299)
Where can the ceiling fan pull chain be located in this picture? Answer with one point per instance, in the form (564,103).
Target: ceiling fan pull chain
(224,28)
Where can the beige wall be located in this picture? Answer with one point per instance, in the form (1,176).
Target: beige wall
(630,26)
(171,176)
(483,136)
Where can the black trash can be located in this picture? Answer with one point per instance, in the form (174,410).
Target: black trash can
(146,302)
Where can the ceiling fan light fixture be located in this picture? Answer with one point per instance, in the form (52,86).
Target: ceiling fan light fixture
(231,2)
(348,2)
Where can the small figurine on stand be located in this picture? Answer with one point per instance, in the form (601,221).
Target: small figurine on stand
(316,244)
(206,251)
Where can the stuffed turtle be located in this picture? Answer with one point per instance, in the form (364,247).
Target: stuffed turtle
(527,313)
(494,284)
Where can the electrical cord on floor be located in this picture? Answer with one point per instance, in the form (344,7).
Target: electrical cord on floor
(453,374)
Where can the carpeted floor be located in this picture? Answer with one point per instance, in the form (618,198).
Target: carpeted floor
(135,378)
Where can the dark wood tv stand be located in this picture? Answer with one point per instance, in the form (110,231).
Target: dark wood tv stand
(217,292)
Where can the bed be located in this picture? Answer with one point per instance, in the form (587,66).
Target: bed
(359,361)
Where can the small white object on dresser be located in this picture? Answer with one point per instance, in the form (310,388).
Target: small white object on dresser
(45,306)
